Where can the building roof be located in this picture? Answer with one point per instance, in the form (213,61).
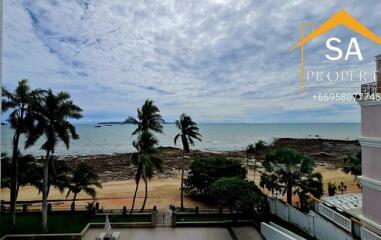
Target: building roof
(344,202)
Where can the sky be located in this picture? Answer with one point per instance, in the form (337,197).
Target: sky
(216,60)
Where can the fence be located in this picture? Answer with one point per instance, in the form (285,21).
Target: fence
(336,217)
(368,235)
(312,223)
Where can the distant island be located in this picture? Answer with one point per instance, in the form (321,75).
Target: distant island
(129,120)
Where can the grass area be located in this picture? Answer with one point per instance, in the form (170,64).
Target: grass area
(206,217)
(61,222)
(291,227)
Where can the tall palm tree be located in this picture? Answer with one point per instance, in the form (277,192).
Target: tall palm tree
(149,118)
(288,167)
(19,102)
(188,132)
(53,114)
(145,161)
(83,178)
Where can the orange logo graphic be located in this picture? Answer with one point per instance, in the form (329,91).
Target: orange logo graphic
(340,18)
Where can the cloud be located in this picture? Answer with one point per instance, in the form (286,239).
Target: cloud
(216,60)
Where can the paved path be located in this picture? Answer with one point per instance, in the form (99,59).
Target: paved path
(164,217)
(192,233)
(167,233)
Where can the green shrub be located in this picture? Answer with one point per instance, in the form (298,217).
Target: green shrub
(205,171)
(239,195)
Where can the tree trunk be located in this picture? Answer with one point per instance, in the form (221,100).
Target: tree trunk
(247,163)
(13,196)
(133,200)
(302,200)
(182,188)
(182,184)
(289,194)
(145,189)
(45,194)
(255,168)
(73,203)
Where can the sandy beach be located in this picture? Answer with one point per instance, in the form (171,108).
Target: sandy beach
(161,192)
(116,173)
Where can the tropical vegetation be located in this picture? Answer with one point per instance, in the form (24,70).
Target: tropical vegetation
(82,178)
(240,196)
(188,132)
(20,118)
(257,150)
(203,172)
(52,115)
(352,165)
(292,172)
(145,159)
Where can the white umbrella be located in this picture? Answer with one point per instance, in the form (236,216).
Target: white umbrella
(107,225)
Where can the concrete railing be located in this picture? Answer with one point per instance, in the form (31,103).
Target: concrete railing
(369,235)
(273,233)
(336,217)
(315,224)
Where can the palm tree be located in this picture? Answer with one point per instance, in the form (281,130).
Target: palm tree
(20,119)
(83,179)
(250,149)
(352,164)
(145,161)
(27,171)
(52,115)
(270,183)
(188,132)
(310,184)
(288,167)
(58,175)
(260,146)
(149,118)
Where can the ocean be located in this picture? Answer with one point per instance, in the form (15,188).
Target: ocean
(216,136)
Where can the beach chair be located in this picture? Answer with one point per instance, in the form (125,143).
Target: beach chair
(101,236)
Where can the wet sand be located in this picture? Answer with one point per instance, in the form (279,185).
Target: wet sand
(161,192)
(116,194)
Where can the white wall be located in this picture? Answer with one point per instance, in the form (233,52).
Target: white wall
(271,233)
(313,223)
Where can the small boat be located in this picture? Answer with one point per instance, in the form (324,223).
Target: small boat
(97,126)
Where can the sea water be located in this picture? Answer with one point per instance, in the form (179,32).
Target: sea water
(215,136)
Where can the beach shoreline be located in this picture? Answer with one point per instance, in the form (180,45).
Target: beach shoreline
(119,167)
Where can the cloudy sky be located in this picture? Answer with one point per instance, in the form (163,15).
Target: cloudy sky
(217,60)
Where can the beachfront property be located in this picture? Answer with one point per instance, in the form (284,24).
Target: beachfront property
(359,213)
(286,188)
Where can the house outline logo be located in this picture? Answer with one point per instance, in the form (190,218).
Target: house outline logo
(341,17)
